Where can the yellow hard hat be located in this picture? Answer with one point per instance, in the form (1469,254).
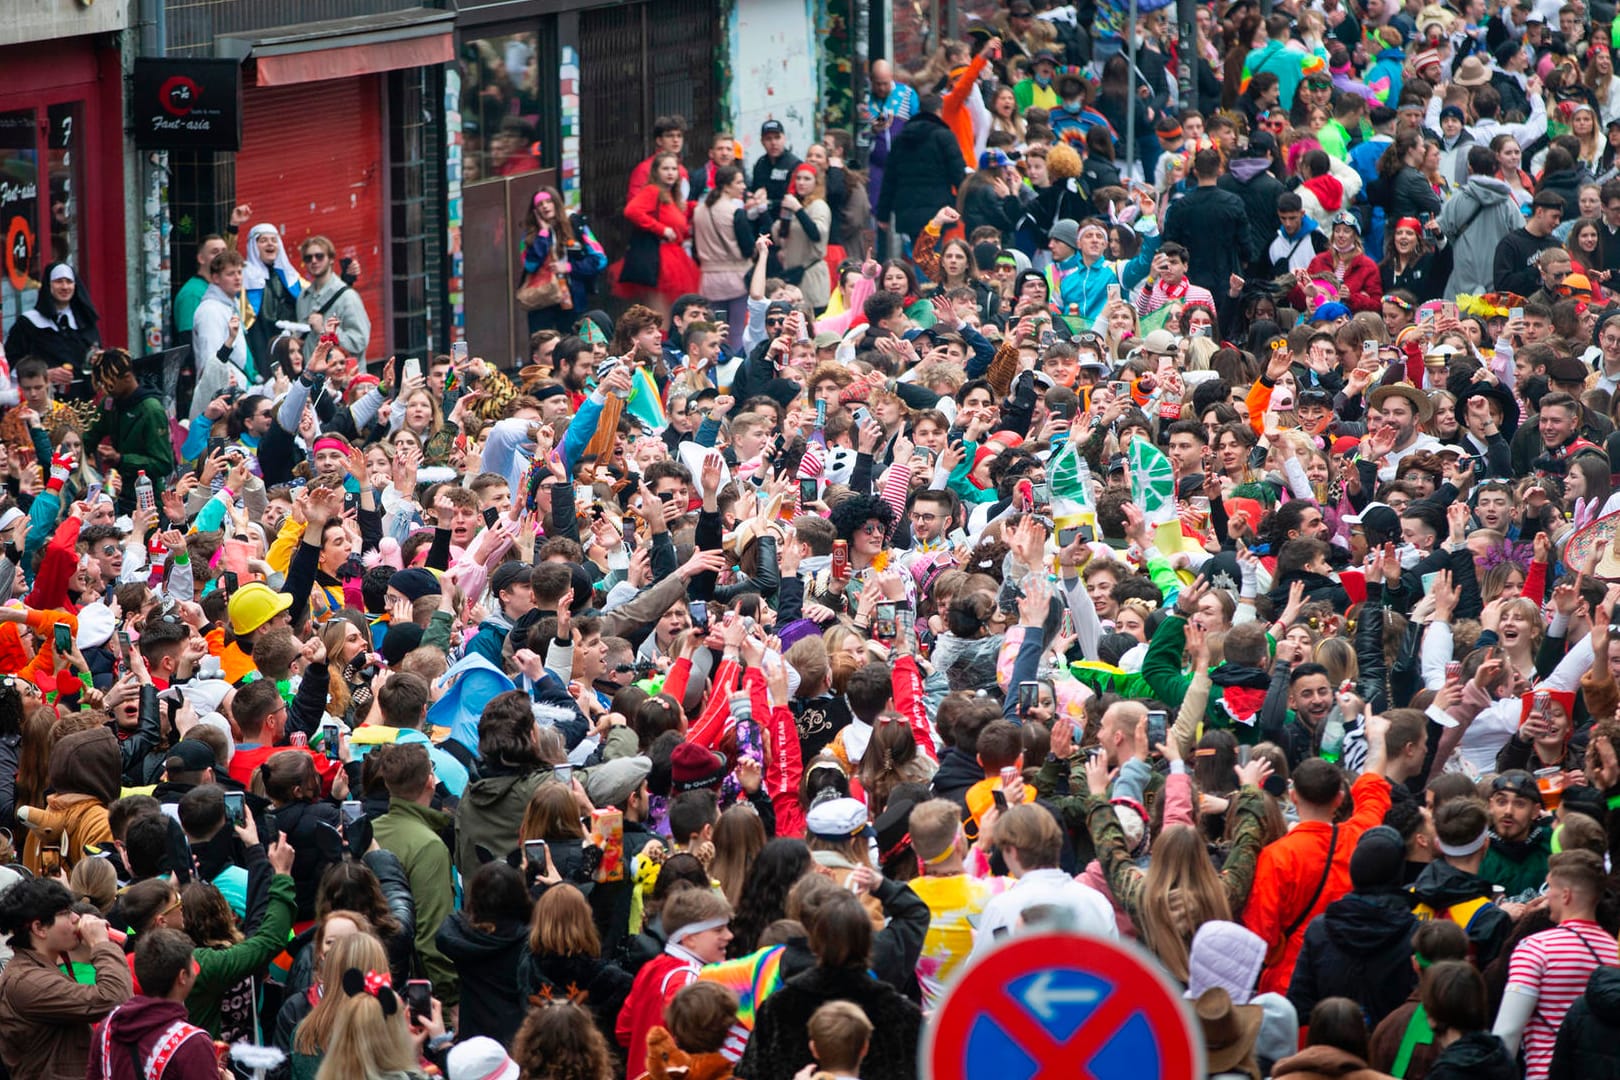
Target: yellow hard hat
(253,605)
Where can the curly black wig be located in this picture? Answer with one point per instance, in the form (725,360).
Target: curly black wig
(851,513)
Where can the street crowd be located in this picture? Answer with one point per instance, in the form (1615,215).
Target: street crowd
(1049,508)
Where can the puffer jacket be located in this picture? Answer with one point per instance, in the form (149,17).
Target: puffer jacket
(1360,948)
(924,168)
(1588,1046)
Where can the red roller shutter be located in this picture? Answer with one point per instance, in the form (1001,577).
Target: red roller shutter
(312,162)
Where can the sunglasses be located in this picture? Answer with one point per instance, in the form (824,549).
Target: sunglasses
(872,528)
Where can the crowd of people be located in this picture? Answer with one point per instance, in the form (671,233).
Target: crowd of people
(1204,540)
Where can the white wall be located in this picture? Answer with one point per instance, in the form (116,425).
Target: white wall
(43,20)
(774,73)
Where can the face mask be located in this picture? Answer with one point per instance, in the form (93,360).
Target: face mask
(1043,80)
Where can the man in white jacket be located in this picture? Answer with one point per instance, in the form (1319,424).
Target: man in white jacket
(218,346)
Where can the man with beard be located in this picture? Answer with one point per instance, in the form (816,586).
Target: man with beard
(1310,699)
(1404,408)
(575,359)
(1188,445)
(1520,844)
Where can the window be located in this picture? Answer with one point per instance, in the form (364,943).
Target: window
(500,106)
(40,208)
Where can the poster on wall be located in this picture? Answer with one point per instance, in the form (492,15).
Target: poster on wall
(19,214)
(187,104)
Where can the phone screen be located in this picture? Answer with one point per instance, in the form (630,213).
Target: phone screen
(64,638)
(234,808)
(883,626)
(353,811)
(807,491)
(535,852)
(1029,695)
(1158,726)
(419,997)
(699,612)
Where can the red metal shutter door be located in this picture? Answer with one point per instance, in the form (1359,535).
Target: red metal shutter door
(312,163)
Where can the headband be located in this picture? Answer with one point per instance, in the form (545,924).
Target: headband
(379,986)
(330,442)
(1462,851)
(1409,223)
(806,167)
(63,272)
(1170,133)
(698,927)
(950,849)
(1088,226)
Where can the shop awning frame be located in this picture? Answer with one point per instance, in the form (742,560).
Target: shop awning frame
(342,48)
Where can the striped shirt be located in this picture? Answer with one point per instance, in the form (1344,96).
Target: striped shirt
(1555,965)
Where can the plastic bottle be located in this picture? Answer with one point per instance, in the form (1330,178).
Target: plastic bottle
(1333,734)
(145,496)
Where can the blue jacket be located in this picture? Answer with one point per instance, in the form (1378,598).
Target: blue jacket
(1086,287)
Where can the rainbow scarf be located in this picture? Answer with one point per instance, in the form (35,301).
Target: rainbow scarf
(753,978)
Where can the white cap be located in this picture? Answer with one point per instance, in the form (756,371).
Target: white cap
(480,1058)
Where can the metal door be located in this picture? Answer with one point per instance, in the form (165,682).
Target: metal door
(637,63)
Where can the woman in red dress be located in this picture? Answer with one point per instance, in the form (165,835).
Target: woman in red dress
(658,211)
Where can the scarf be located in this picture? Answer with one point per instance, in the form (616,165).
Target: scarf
(1243,690)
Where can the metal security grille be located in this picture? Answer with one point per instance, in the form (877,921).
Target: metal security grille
(638,62)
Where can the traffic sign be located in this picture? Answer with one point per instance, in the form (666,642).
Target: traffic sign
(1063,1006)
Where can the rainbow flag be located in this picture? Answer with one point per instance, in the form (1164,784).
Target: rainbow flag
(645,406)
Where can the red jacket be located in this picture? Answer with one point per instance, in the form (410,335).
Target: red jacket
(245,760)
(1288,871)
(1363,284)
(56,569)
(646,211)
(157,1031)
(656,983)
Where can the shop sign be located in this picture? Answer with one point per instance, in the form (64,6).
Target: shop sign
(187,104)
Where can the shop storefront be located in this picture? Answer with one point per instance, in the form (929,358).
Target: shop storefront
(62,175)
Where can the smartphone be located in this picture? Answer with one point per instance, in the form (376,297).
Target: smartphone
(1000,799)
(490,514)
(353,811)
(1048,337)
(1029,696)
(1257,457)
(230,581)
(124,644)
(699,612)
(1067,534)
(413,368)
(563,773)
(235,808)
(1369,351)
(861,415)
(1087,534)
(1158,727)
(1119,389)
(331,735)
(1063,410)
(1516,313)
(271,831)
(419,997)
(807,491)
(63,638)
(883,627)
(93,491)
(1113,294)
(1244,754)
(535,852)
(458,352)
(1043,494)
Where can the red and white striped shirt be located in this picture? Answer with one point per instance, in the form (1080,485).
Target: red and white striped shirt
(1555,965)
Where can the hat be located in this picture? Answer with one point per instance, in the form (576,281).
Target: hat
(1536,16)
(1547,200)
(1043,56)
(1330,311)
(190,755)
(1471,72)
(505,576)
(1379,860)
(772,127)
(1426,58)
(1566,369)
(1419,400)
(836,819)
(1065,231)
(827,340)
(1493,392)
(10,517)
(994,159)
(1378,521)
(693,768)
(893,828)
(480,1058)
(778,307)
(1168,127)
(1453,112)
(96,625)
(415,583)
(1227,956)
(1229,1030)
(400,639)
(1578,283)
(1160,342)
(1010,439)
(1517,782)
(615,780)
(253,605)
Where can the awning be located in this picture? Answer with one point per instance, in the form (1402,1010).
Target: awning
(340,48)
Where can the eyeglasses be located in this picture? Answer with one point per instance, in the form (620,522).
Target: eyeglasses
(923,518)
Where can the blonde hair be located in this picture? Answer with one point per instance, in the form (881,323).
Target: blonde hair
(366,1043)
(363,951)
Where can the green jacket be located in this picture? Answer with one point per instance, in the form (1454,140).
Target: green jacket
(1520,867)
(139,427)
(412,833)
(221,969)
(1161,668)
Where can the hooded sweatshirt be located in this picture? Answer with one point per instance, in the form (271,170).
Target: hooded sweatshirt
(85,776)
(493,1001)
(1475,220)
(136,1030)
(1360,946)
(218,363)
(1443,891)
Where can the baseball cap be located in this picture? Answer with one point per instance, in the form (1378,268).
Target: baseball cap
(772,127)
(190,755)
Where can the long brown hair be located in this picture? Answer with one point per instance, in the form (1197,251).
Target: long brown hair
(559,224)
(670,194)
(34,757)
(1182,891)
(551,814)
(739,836)
(563,925)
(208,917)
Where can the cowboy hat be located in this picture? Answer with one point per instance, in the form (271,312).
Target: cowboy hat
(1229,1031)
(1420,401)
(1493,392)
(1471,72)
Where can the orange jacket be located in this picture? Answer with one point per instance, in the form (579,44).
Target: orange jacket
(1288,871)
(955,113)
